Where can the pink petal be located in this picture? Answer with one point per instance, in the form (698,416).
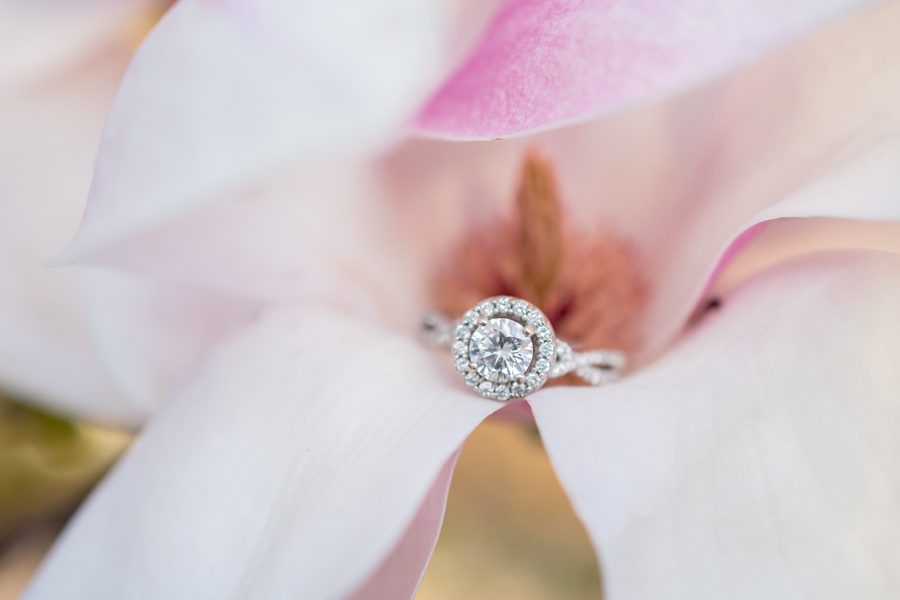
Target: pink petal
(401,573)
(544,63)
(222,94)
(290,465)
(758,458)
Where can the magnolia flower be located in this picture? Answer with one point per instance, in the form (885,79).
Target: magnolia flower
(303,172)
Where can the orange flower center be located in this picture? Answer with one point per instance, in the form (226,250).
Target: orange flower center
(588,285)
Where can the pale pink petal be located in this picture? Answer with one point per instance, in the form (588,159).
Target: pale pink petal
(401,572)
(811,132)
(43,40)
(223,94)
(783,239)
(549,62)
(148,337)
(759,457)
(290,465)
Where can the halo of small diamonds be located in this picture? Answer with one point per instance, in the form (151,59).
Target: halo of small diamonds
(504,348)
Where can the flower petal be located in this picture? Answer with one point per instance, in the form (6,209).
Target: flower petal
(223,93)
(811,132)
(401,573)
(759,457)
(148,336)
(544,63)
(290,465)
(783,239)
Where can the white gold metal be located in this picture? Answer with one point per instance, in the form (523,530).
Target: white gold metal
(505,348)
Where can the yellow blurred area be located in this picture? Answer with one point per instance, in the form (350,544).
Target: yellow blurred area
(510,531)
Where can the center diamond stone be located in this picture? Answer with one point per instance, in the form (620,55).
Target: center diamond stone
(501,350)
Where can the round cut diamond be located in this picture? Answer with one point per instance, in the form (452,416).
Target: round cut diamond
(501,350)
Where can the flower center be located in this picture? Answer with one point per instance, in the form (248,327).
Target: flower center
(501,350)
(588,284)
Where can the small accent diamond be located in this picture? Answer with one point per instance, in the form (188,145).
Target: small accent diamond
(487,308)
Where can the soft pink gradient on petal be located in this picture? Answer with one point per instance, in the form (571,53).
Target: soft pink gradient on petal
(783,239)
(739,244)
(401,572)
(758,458)
(555,61)
(290,464)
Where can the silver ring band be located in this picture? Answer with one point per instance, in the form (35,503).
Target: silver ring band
(505,348)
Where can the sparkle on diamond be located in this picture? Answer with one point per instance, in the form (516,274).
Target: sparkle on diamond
(501,350)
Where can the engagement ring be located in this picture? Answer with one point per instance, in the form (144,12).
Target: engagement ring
(506,348)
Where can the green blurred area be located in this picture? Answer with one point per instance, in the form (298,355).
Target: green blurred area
(47,464)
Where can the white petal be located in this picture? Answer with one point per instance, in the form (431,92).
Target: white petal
(148,336)
(759,458)
(221,95)
(288,467)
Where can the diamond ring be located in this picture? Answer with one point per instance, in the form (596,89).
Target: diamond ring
(505,348)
